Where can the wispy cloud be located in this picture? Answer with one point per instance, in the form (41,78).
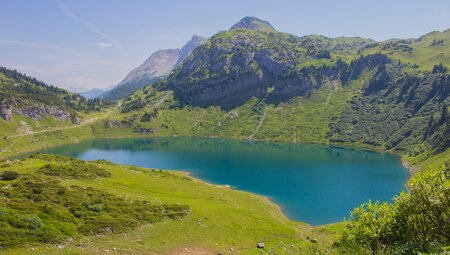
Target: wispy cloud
(38,45)
(111,39)
(104,45)
(83,58)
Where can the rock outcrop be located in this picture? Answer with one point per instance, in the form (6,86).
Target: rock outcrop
(38,112)
(143,130)
(6,111)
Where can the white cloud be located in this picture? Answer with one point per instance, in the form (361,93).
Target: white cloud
(111,39)
(104,45)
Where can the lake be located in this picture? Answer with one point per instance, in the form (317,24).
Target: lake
(316,184)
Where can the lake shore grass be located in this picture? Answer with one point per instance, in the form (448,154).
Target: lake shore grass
(222,220)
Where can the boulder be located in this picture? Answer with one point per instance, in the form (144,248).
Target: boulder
(312,240)
(5,112)
(143,130)
(260,245)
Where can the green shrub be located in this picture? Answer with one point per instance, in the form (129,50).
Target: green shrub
(74,170)
(417,221)
(32,221)
(9,175)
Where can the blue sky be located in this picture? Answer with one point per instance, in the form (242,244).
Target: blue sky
(95,43)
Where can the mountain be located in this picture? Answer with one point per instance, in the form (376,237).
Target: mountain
(156,67)
(236,65)
(254,23)
(92,93)
(188,48)
(253,84)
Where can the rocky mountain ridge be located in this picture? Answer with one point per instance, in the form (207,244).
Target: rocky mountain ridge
(155,68)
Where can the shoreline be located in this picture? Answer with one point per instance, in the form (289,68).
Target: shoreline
(262,196)
(266,199)
(404,162)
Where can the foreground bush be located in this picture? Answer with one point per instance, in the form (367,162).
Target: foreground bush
(417,221)
(9,175)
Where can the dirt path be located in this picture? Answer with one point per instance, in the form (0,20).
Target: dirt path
(261,121)
(89,121)
(335,85)
(162,100)
(193,251)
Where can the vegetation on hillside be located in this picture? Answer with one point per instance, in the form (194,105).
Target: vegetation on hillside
(36,207)
(132,210)
(18,88)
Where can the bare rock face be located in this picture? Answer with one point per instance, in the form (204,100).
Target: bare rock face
(5,111)
(38,112)
(159,63)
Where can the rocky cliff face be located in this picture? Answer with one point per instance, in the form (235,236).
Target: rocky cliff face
(236,65)
(38,112)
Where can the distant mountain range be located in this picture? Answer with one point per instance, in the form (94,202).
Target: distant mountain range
(156,67)
(93,93)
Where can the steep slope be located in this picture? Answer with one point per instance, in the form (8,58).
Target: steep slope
(159,64)
(184,52)
(156,67)
(236,65)
(397,110)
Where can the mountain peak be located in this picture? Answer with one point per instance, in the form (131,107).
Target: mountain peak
(195,41)
(254,23)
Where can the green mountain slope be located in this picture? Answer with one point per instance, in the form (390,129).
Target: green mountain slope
(251,84)
(254,23)
(27,105)
(422,53)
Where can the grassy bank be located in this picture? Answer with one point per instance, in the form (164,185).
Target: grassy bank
(220,219)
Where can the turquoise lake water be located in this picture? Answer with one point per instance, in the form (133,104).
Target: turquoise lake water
(316,184)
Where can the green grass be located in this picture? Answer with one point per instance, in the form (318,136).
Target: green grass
(424,53)
(220,218)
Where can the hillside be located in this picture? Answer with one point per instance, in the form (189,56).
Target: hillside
(59,205)
(96,207)
(28,105)
(252,84)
